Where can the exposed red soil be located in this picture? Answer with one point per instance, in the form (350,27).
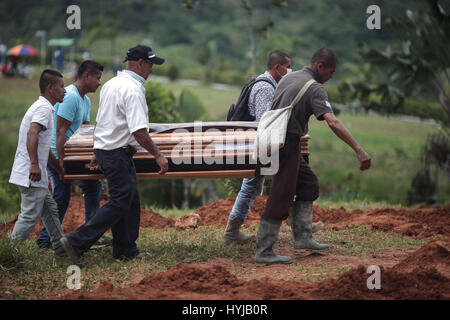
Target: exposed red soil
(414,278)
(411,273)
(417,223)
(217,212)
(196,281)
(75,217)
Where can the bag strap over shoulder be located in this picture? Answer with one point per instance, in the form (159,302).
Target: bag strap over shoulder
(263,79)
(302,92)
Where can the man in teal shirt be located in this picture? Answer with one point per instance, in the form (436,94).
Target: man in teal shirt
(73,109)
(69,116)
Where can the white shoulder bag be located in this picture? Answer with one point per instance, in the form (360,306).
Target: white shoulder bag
(272,128)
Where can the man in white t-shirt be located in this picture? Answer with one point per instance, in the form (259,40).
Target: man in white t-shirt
(29,169)
(69,116)
(122,125)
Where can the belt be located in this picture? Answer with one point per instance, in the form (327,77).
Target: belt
(130,150)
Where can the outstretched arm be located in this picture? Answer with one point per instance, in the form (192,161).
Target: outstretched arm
(341,131)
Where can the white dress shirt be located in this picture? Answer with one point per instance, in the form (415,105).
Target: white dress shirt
(41,112)
(122,111)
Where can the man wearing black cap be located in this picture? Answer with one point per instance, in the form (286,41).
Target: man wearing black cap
(122,125)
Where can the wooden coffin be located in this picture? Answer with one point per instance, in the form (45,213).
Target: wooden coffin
(194,150)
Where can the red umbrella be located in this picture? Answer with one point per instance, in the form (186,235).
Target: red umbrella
(22,50)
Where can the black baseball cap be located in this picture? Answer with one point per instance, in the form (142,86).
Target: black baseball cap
(143,52)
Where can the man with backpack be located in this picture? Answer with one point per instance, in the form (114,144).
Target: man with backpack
(295,177)
(255,99)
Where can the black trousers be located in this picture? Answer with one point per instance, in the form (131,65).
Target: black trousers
(123,211)
(294,177)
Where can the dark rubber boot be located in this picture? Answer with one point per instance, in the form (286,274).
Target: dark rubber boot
(302,227)
(316,226)
(266,237)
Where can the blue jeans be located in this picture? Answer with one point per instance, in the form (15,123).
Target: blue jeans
(92,192)
(251,188)
(122,213)
(37,203)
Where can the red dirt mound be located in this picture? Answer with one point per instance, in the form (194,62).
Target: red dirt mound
(75,217)
(196,281)
(417,223)
(7,227)
(423,283)
(434,254)
(416,277)
(217,212)
(152,219)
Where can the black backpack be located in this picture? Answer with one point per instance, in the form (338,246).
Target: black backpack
(239,111)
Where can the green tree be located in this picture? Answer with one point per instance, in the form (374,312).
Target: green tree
(257,32)
(104,28)
(162,108)
(162,105)
(417,66)
(173,72)
(207,56)
(191,108)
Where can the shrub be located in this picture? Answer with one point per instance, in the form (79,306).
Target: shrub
(191,108)
(423,188)
(425,110)
(231,77)
(173,73)
(9,195)
(162,106)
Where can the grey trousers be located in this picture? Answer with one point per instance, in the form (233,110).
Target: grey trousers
(37,203)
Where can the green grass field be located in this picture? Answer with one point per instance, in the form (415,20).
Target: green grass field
(393,144)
